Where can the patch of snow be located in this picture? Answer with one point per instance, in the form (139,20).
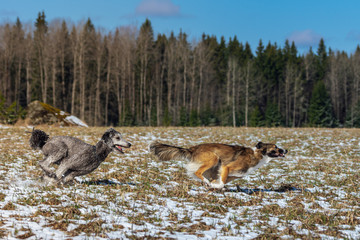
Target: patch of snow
(74,120)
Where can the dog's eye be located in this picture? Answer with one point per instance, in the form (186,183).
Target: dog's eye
(117,138)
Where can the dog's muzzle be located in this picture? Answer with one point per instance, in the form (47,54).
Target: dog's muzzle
(282,152)
(119,147)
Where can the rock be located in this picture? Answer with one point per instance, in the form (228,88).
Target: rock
(41,113)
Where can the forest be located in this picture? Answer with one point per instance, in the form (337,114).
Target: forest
(130,77)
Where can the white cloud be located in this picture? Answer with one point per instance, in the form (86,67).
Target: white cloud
(8,13)
(305,38)
(159,8)
(353,35)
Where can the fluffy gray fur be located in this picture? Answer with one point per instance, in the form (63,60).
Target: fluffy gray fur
(74,157)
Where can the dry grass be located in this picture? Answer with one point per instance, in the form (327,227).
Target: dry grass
(141,198)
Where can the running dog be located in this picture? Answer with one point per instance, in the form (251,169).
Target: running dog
(217,164)
(74,157)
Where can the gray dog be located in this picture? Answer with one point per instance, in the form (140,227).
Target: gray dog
(74,157)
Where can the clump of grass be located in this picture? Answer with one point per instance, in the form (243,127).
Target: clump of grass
(91,228)
(52,201)
(9,206)
(28,233)
(44,213)
(68,212)
(3,233)
(61,225)
(2,196)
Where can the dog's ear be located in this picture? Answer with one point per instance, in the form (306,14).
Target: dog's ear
(105,135)
(259,145)
(109,133)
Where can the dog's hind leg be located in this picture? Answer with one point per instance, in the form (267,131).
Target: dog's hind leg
(54,154)
(44,164)
(70,168)
(208,160)
(70,175)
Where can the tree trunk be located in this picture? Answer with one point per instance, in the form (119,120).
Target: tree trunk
(107,90)
(97,92)
(46,81)
(73,93)
(200,90)
(294,110)
(28,79)
(82,80)
(53,80)
(247,93)
(233,65)
(63,89)
(17,85)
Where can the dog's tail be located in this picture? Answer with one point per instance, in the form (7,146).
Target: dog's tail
(166,152)
(38,139)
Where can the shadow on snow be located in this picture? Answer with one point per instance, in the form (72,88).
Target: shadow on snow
(282,189)
(106,182)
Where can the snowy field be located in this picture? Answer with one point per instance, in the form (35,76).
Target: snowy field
(312,193)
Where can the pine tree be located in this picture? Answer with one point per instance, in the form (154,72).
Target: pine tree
(320,109)
(273,116)
(145,47)
(194,119)
(353,117)
(183,121)
(166,117)
(40,38)
(322,60)
(256,118)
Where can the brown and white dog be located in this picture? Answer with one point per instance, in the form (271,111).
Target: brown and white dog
(217,164)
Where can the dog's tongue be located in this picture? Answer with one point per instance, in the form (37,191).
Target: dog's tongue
(119,147)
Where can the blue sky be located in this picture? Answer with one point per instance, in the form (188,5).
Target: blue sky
(301,21)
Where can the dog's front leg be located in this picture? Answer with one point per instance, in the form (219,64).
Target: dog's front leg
(224,173)
(50,180)
(44,164)
(70,175)
(62,169)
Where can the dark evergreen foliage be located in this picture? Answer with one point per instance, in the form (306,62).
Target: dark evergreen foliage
(320,109)
(273,116)
(130,77)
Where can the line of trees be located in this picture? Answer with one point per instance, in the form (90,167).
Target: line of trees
(130,77)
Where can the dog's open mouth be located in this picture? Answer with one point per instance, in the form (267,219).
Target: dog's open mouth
(280,153)
(119,148)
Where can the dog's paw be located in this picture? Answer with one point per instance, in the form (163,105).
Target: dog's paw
(49,180)
(207,181)
(70,182)
(217,185)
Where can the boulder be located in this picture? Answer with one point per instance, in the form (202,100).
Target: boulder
(39,113)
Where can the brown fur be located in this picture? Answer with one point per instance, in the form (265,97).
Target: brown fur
(219,162)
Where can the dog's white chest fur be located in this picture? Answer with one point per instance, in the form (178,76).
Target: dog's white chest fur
(261,163)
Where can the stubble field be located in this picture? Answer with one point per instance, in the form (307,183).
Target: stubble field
(312,193)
